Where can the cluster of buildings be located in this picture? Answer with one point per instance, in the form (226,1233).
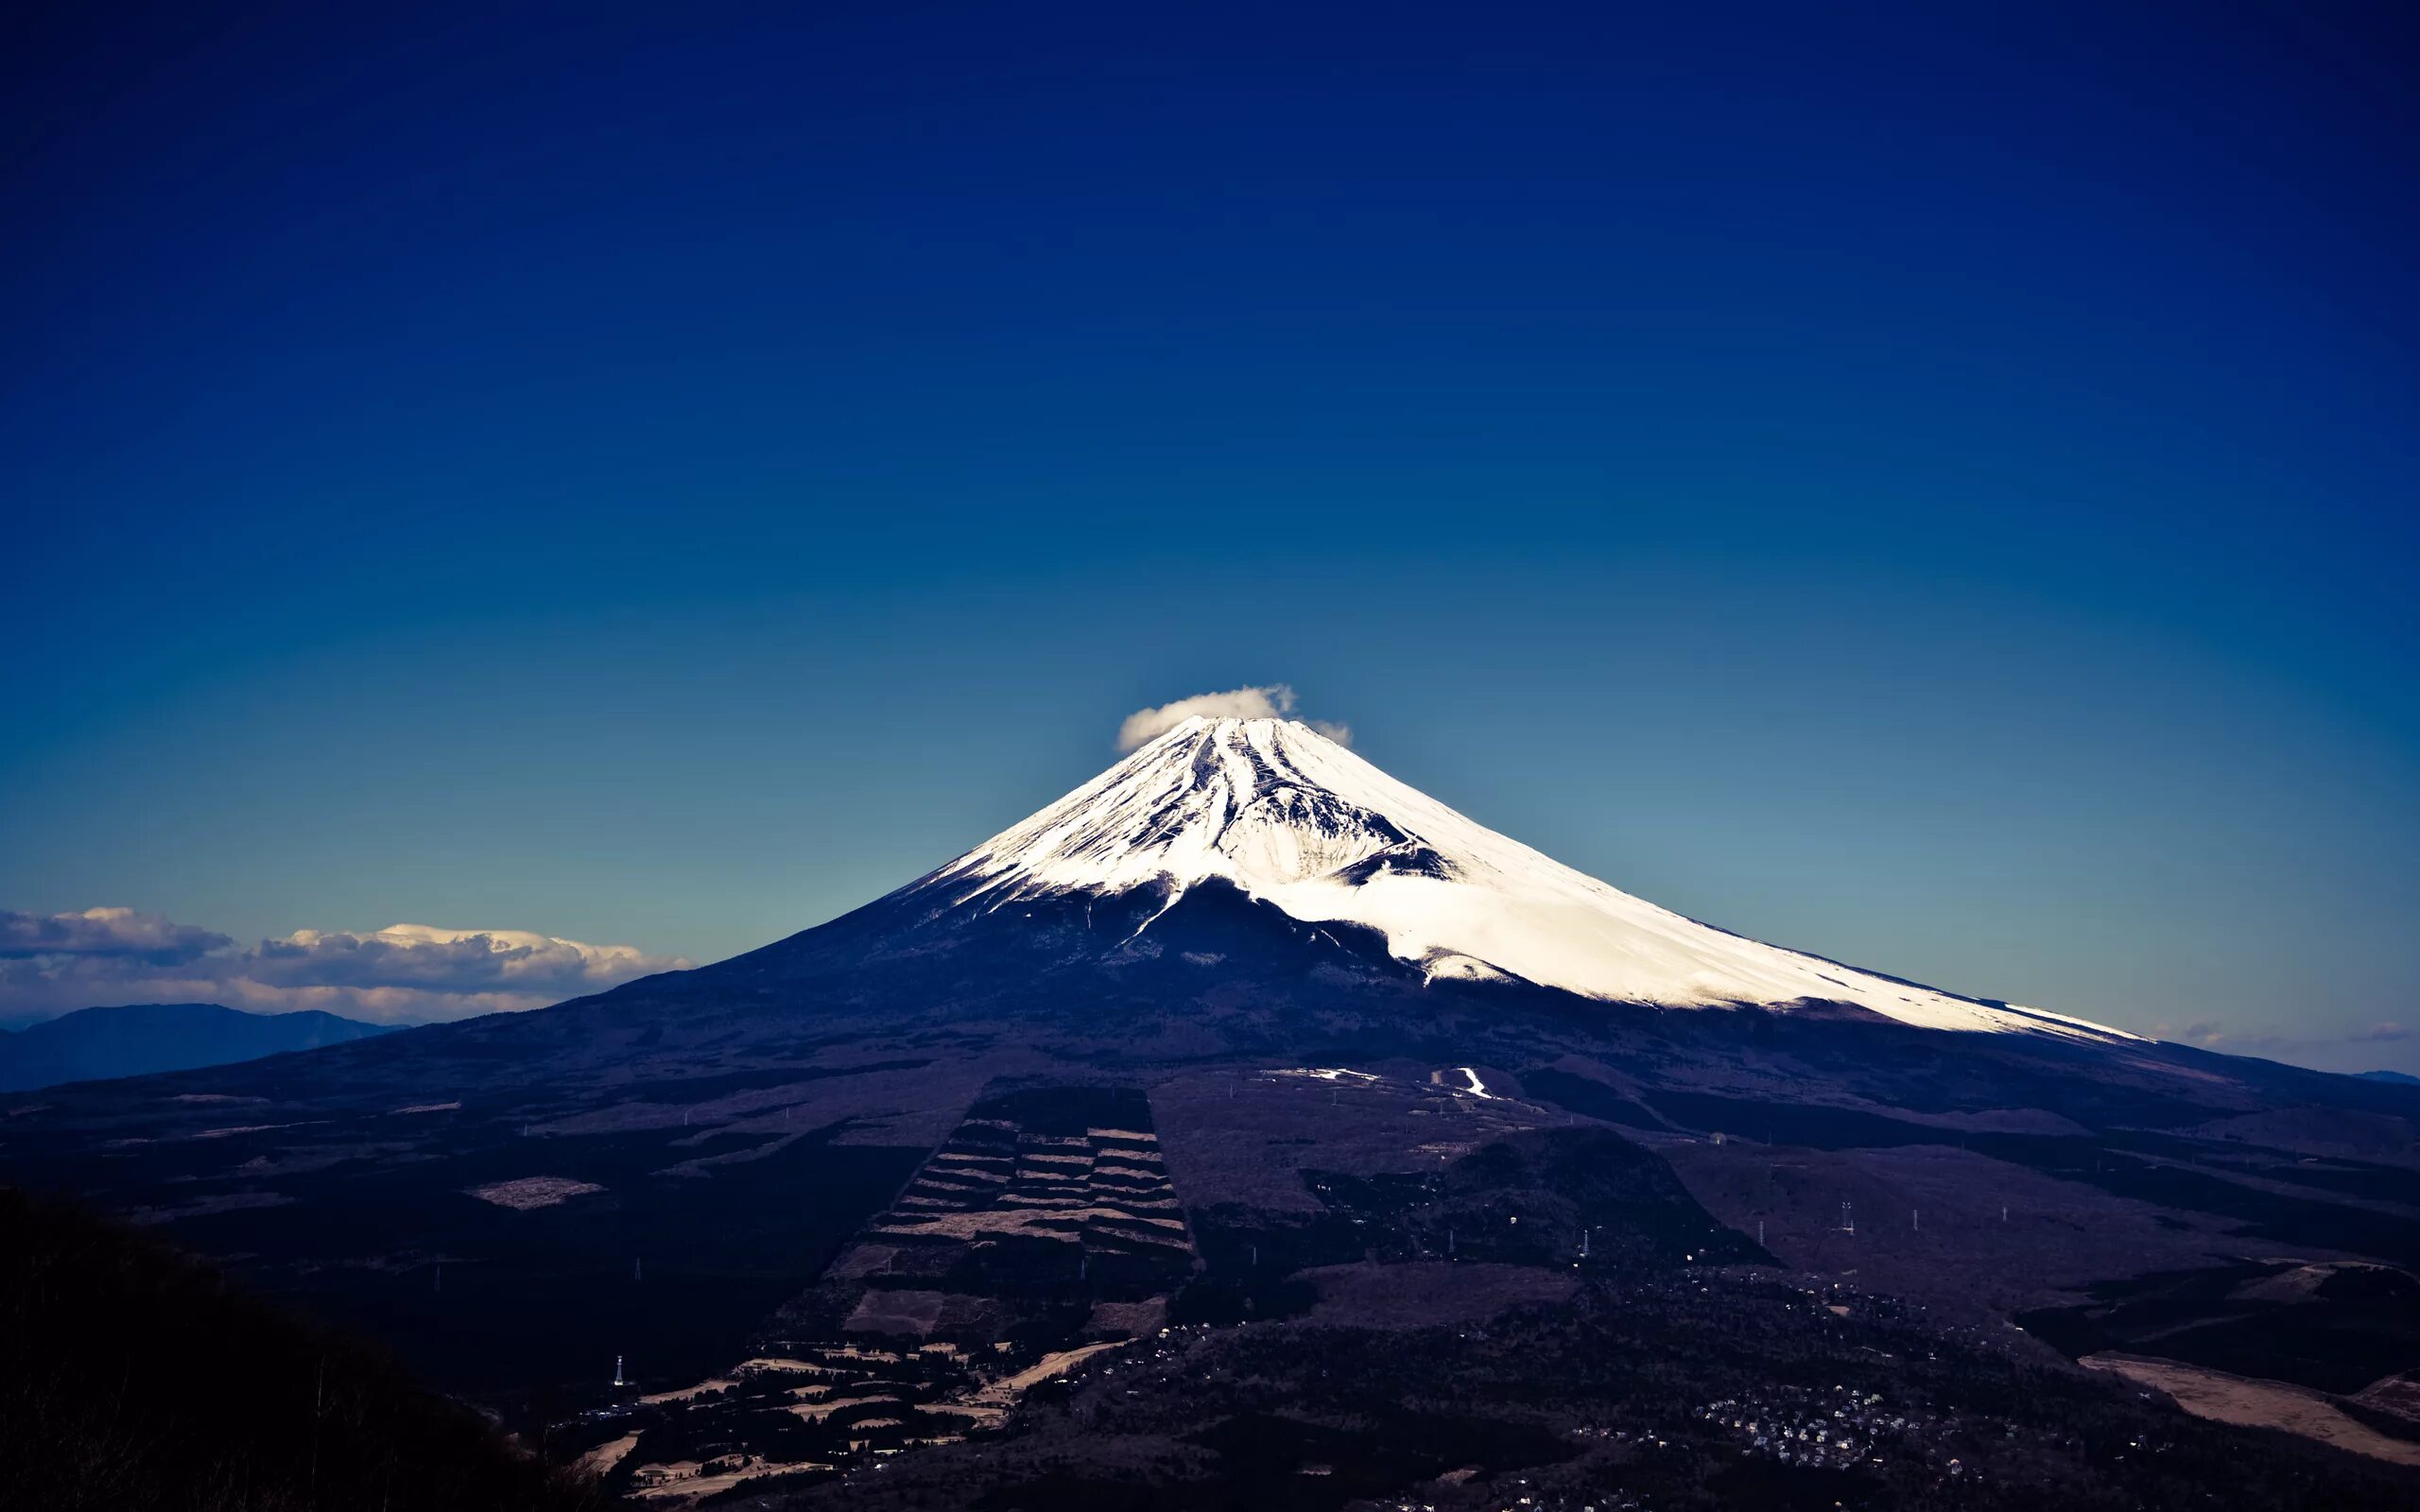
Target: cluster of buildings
(1800,1428)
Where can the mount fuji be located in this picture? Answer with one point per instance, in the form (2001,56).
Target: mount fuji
(1244,1031)
(1289,817)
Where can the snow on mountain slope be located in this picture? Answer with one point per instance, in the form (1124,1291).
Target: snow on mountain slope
(1297,821)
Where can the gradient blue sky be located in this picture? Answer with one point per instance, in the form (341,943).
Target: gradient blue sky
(1933,485)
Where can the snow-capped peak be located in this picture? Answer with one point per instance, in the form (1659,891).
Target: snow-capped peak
(1294,819)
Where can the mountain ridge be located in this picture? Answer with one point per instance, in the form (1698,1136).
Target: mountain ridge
(146,1039)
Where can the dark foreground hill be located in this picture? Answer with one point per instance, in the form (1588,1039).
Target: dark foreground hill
(93,1044)
(134,1379)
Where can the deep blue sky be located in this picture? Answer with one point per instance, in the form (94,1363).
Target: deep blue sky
(1933,485)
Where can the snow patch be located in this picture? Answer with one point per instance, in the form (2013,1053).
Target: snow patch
(1475,1087)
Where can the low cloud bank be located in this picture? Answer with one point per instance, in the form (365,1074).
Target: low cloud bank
(55,963)
(105,933)
(1273,700)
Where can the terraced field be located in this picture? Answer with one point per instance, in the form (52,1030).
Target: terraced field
(1043,1230)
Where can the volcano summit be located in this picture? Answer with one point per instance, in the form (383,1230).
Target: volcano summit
(1291,818)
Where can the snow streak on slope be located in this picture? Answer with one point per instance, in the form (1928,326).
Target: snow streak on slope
(1293,818)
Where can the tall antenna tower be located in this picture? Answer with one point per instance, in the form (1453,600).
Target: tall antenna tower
(617,1372)
(1848,1219)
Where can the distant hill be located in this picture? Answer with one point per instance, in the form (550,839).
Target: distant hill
(2398,1077)
(96,1044)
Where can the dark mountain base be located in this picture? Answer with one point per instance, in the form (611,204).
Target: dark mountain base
(1348,1148)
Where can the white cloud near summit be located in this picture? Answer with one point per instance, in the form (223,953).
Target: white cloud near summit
(55,963)
(1269,702)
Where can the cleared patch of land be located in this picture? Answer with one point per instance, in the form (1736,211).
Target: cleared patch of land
(605,1457)
(533,1191)
(2399,1395)
(2226,1399)
(897,1312)
(1005,1391)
